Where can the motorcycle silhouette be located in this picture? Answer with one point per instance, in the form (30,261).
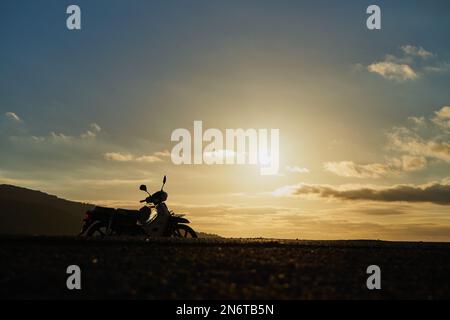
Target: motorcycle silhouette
(102,222)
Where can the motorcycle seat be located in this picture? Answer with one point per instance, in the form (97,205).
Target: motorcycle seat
(129,213)
(125,217)
(104,209)
(102,213)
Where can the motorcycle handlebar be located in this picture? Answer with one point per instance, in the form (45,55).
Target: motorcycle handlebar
(148,200)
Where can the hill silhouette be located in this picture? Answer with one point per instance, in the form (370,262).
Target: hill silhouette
(25,211)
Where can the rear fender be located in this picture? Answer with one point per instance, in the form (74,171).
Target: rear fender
(93,224)
(87,221)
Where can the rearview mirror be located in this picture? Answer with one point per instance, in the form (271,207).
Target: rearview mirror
(164,180)
(143,187)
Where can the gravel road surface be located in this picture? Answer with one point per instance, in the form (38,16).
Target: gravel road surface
(35,267)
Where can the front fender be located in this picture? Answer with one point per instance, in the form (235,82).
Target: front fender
(179,220)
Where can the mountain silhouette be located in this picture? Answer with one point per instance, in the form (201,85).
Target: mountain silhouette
(25,211)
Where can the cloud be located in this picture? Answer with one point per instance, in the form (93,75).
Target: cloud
(417,121)
(382,211)
(439,67)
(412,63)
(444,113)
(56,137)
(437,193)
(147,158)
(165,153)
(17,181)
(427,138)
(117,156)
(416,51)
(13,116)
(96,127)
(412,146)
(442,117)
(59,137)
(351,169)
(296,169)
(412,163)
(38,139)
(127,157)
(393,165)
(92,133)
(403,139)
(393,71)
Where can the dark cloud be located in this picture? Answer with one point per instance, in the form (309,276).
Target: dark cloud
(434,193)
(382,211)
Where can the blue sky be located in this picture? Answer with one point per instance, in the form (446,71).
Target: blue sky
(139,69)
(150,43)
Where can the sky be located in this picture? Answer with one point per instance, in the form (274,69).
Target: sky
(364,115)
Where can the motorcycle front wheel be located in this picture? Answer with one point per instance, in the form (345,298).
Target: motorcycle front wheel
(183,231)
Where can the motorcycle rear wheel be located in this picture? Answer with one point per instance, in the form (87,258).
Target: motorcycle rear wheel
(99,231)
(183,231)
